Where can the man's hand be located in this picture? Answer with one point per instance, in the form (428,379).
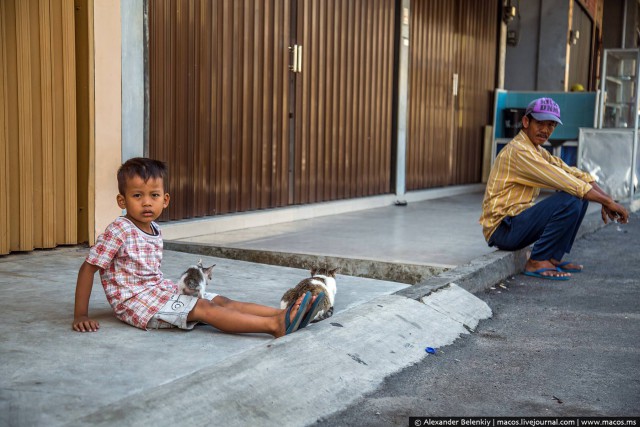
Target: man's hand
(611,210)
(607,215)
(615,212)
(84,324)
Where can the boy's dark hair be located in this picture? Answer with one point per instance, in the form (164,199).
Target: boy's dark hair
(144,168)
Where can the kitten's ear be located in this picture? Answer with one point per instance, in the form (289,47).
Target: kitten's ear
(333,272)
(200,263)
(209,271)
(313,271)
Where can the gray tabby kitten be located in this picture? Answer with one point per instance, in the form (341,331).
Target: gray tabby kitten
(194,281)
(321,280)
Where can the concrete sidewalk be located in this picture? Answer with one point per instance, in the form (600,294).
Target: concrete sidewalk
(125,376)
(51,375)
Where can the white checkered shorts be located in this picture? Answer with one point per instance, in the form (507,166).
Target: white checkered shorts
(174,313)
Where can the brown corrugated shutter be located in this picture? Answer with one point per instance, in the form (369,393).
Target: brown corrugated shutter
(478,56)
(449,40)
(38,187)
(433,45)
(344,99)
(218,96)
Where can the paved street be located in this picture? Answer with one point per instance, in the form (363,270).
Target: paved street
(551,348)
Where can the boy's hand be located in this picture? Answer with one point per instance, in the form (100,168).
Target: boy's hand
(81,320)
(84,324)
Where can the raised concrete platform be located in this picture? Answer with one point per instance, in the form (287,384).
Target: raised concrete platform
(51,375)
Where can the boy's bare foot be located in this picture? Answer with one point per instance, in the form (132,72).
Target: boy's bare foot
(280,318)
(533,265)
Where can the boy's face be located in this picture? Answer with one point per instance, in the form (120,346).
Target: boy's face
(144,201)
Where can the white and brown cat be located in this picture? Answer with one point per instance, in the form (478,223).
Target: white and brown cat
(321,280)
(194,280)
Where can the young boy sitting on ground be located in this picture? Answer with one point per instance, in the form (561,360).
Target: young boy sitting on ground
(128,255)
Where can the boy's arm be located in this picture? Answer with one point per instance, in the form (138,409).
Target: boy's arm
(81,320)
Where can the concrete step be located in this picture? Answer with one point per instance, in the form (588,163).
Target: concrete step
(370,268)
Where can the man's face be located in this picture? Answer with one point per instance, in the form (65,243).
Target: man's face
(538,131)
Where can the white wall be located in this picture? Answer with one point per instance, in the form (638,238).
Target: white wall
(108,107)
(552,47)
(538,62)
(133,78)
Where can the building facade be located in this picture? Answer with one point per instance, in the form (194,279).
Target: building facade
(256,105)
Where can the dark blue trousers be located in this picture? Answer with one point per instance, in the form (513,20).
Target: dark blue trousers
(552,224)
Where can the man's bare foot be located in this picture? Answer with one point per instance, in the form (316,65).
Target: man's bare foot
(281,329)
(569,266)
(533,265)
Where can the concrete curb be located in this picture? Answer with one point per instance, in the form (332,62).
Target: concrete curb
(474,277)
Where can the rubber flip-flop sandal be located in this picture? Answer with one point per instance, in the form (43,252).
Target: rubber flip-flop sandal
(568,270)
(539,275)
(313,311)
(292,325)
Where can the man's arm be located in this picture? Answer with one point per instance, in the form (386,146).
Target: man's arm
(81,320)
(571,170)
(610,209)
(533,168)
(549,171)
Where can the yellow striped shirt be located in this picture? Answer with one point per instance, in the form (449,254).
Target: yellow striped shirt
(520,170)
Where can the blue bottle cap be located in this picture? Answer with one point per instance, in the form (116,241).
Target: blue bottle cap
(430,350)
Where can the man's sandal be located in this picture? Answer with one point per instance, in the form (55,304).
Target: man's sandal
(539,275)
(568,270)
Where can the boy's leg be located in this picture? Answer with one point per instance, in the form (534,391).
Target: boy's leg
(233,321)
(246,307)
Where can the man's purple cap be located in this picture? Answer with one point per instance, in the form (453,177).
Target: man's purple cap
(543,109)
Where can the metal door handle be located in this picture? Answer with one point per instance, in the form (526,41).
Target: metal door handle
(455,84)
(296,66)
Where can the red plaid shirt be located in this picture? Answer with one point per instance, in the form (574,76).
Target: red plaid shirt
(129,260)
